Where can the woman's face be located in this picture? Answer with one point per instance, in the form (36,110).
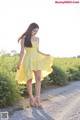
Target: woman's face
(34,31)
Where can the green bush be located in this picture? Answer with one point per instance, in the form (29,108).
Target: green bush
(74,73)
(46,81)
(9,89)
(58,76)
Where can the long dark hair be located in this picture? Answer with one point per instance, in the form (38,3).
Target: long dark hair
(27,35)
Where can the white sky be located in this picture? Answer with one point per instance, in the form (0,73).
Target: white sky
(59,24)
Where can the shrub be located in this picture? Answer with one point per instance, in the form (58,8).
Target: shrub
(58,76)
(9,89)
(74,73)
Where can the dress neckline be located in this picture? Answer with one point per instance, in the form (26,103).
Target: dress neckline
(33,39)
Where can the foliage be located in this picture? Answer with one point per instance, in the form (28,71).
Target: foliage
(46,81)
(64,70)
(9,89)
(71,67)
(74,74)
(58,76)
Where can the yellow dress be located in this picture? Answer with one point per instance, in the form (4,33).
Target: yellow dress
(33,60)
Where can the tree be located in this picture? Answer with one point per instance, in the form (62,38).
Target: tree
(78,56)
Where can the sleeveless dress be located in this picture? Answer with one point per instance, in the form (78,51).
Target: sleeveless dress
(33,60)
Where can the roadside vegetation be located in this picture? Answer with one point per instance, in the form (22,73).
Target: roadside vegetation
(64,71)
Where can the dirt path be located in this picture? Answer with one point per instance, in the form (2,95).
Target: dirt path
(64,106)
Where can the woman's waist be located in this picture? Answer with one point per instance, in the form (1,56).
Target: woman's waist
(31,54)
(31,50)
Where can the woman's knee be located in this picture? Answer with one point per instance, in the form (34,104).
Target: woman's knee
(38,77)
(29,81)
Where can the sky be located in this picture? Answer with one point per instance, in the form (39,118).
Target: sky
(59,25)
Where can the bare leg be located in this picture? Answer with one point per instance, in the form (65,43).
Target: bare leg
(38,86)
(31,97)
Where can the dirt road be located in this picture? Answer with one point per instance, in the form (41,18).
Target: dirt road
(63,106)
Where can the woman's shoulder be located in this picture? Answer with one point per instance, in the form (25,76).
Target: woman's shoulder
(22,41)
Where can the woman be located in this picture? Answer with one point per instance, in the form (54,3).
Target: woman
(33,65)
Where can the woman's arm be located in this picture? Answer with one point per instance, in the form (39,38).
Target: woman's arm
(40,51)
(21,53)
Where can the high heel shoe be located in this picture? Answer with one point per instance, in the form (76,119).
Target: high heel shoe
(37,99)
(32,101)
